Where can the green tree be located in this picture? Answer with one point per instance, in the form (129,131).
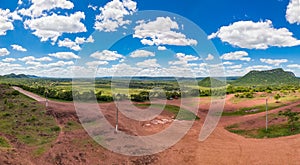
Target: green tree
(277,97)
(292,117)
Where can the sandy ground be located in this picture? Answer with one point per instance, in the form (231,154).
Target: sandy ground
(221,147)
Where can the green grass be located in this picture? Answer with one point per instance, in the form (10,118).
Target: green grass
(40,150)
(71,126)
(26,119)
(4,143)
(258,108)
(180,115)
(273,131)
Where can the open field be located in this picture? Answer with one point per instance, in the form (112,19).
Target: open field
(73,145)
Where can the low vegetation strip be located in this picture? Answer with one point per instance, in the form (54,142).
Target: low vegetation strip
(181,114)
(252,110)
(24,119)
(272,132)
(4,143)
(282,124)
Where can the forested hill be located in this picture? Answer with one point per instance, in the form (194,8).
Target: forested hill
(12,75)
(268,77)
(209,81)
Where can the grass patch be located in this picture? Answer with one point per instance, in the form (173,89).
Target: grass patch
(4,143)
(29,124)
(253,110)
(71,126)
(273,131)
(180,114)
(39,151)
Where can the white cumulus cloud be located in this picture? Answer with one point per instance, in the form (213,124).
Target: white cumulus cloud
(210,57)
(112,15)
(142,53)
(275,62)
(107,55)
(255,35)
(293,12)
(6,20)
(75,45)
(227,63)
(258,67)
(9,60)
(150,63)
(4,52)
(38,7)
(183,60)
(235,66)
(64,55)
(161,48)
(18,48)
(53,26)
(161,32)
(238,55)
(294,66)
(94,64)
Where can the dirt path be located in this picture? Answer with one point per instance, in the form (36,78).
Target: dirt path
(221,147)
(29,94)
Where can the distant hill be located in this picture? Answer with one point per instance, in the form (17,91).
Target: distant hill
(268,77)
(208,82)
(12,75)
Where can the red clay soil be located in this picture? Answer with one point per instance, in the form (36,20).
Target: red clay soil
(221,147)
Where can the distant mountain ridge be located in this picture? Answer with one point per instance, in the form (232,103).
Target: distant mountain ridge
(211,82)
(12,75)
(268,77)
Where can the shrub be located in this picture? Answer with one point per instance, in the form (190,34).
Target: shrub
(55,128)
(15,93)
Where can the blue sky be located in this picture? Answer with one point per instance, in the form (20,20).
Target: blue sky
(199,38)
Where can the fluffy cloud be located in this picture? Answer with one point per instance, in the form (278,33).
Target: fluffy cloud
(112,15)
(258,67)
(60,64)
(31,58)
(35,63)
(64,55)
(75,45)
(92,7)
(52,27)
(94,64)
(210,57)
(27,58)
(107,55)
(9,60)
(275,62)
(18,48)
(8,65)
(227,63)
(6,19)
(294,66)
(150,63)
(183,59)
(142,53)
(161,32)
(4,52)
(38,7)
(255,35)
(44,59)
(293,12)
(238,55)
(235,66)
(162,48)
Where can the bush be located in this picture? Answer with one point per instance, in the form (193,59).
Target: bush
(15,93)
(55,128)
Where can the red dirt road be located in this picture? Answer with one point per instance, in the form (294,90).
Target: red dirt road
(221,147)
